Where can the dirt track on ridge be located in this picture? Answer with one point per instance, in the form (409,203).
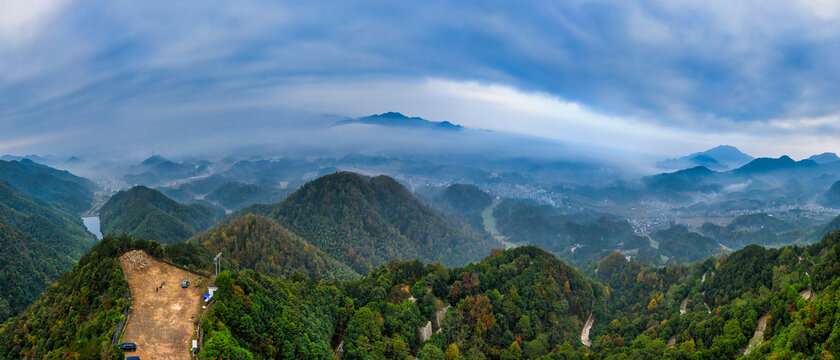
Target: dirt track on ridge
(161,323)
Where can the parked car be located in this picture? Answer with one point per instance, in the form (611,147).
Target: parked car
(128,346)
(185,284)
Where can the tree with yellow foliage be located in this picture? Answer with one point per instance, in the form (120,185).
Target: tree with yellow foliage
(452,352)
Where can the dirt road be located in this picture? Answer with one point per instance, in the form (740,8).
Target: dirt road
(584,335)
(160,322)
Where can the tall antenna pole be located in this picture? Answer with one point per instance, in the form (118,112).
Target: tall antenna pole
(216,263)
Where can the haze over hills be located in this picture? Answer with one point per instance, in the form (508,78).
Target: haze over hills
(71,192)
(343,224)
(723,157)
(426,180)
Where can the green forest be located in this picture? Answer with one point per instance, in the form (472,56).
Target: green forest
(261,244)
(147,213)
(67,191)
(299,280)
(75,317)
(40,242)
(521,303)
(363,222)
(524,303)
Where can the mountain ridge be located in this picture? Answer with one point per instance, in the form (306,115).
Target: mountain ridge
(396,119)
(720,158)
(359,220)
(148,213)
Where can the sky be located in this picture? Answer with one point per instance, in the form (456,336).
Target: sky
(652,76)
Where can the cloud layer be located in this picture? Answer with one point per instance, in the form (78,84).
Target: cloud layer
(651,76)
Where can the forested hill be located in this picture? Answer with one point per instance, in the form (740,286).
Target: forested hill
(521,303)
(261,244)
(146,213)
(28,267)
(712,310)
(39,243)
(512,300)
(44,222)
(67,191)
(75,318)
(365,221)
(462,201)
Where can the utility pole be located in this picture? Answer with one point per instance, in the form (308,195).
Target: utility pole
(216,263)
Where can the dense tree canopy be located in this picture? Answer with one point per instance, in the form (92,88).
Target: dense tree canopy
(261,244)
(146,213)
(364,222)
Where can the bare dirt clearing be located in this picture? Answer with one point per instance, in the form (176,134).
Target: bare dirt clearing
(160,323)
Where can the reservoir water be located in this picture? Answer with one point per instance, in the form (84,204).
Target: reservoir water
(92,225)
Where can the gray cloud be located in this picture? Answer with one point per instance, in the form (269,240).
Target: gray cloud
(134,75)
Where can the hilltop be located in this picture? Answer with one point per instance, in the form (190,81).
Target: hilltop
(148,213)
(261,244)
(722,157)
(362,221)
(395,119)
(70,192)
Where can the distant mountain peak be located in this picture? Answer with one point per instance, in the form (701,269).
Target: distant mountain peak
(771,164)
(154,159)
(721,157)
(824,158)
(397,119)
(394,114)
(725,148)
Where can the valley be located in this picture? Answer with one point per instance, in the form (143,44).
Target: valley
(490,224)
(419,180)
(357,258)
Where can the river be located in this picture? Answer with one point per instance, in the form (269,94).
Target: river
(92,225)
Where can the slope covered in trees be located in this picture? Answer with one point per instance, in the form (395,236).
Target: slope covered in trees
(39,243)
(67,191)
(147,213)
(367,221)
(75,318)
(463,201)
(235,195)
(521,303)
(528,223)
(793,289)
(465,198)
(759,228)
(521,296)
(28,267)
(261,244)
(44,222)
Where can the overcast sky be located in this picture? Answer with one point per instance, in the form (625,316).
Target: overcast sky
(658,77)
